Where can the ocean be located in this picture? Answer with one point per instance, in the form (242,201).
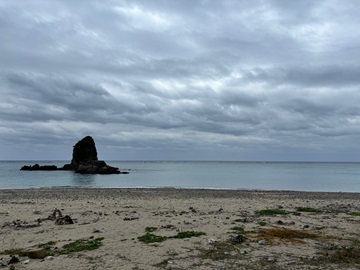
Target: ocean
(297,176)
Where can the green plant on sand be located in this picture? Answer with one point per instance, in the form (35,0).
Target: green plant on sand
(188,234)
(308,209)
(270,212)
(151,238)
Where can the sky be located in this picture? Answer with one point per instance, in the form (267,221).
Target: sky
(270,80)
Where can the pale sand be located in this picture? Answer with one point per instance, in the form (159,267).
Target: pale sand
(171,211)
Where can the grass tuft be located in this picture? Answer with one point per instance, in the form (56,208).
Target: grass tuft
(308,209)
(81,245)
(76,246)
(270,212)
(151,238)
(47,245)
(14,251)
(188,234)
(238,229)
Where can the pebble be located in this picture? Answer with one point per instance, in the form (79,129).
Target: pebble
(49,258)
(26,262)
(262,242)
(211,241)
(2,262)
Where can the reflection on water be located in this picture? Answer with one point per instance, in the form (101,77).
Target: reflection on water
(83,179)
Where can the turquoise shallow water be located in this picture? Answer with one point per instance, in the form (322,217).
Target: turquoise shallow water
(299,176)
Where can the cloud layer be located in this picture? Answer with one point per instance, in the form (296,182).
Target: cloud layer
(237,80)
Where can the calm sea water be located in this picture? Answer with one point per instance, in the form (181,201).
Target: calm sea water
(334,177)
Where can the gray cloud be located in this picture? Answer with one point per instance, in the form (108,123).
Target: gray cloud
(228,79)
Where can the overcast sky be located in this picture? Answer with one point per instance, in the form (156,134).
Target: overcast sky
(194,80)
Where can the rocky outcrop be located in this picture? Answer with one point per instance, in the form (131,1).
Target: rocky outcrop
(84,152)
(37,167)
(84,161)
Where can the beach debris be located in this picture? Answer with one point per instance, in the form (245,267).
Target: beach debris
(130,218)
(26,261)
(57,213)
(19,224)
(280,222)
(2,262)
(192,209)
(49,258)
(169,227)
(59,218)
(13,260)
(262,242)
(212,241)
(35,253)
(64,220)
(237,239)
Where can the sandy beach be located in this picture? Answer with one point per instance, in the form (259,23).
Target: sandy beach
(180,229)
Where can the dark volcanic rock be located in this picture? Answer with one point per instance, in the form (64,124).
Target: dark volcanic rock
(84,152)
(37,167)
(96,167)
(67,167)
(84,161)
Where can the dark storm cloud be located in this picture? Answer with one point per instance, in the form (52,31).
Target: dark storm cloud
(181,79)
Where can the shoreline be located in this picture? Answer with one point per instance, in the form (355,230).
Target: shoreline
(81,192)
(233,229)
